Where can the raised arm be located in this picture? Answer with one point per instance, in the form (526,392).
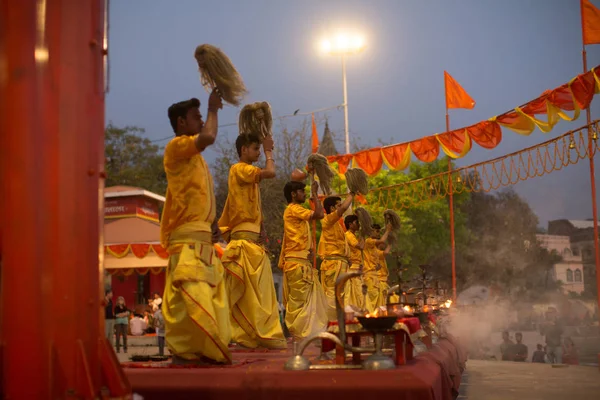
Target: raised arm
(345,205)
(208,134)
(269,171)
(318,213)
(388,229)
(388,250)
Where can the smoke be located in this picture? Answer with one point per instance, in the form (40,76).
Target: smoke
(474,326)
(477,323)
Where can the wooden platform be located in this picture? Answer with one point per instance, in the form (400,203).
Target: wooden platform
(432,375)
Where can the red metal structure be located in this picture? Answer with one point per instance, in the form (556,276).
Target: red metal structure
(51,166)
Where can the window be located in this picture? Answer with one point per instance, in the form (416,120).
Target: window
(569,275)
(577,275)
(567,252)
(575,251)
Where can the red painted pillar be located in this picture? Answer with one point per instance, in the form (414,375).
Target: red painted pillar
(51,159)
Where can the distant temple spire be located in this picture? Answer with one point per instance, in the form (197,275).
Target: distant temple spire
(327,147)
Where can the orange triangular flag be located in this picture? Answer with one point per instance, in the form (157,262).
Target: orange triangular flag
(456,96)
(590,23)
(361,199)
(315,136)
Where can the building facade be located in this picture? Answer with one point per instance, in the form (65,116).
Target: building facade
(581,235)
(570,271)
(134,261)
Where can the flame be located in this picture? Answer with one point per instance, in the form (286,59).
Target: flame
(378,312)
(448,303)
(408,309)
(426,308)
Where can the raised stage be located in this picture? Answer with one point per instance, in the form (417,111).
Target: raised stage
(432,375)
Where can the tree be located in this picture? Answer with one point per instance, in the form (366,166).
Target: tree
(502,250)
(425,234)
(132,160)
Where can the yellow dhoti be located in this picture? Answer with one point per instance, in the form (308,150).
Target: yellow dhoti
(304,299)
(254,309)
(353,294)
(195,306)
(372,299)
(331,269)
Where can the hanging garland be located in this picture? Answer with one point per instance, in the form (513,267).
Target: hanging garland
(539,160)
(573,96)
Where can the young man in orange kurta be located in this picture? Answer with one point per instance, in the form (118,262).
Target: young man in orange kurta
(303,295)
(383,273)
(353,295)
(372,265)
(333,248)
(249,280)
(194,306)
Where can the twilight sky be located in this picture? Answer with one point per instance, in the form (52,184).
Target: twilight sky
(504,53)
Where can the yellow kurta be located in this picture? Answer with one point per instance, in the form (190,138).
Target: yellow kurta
(383,274)
(334,252)
(249,279)
(303,296)
(194,306)
(371,278)
(353,294)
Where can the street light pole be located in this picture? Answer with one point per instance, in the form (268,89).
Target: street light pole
(344,45)
(345,104)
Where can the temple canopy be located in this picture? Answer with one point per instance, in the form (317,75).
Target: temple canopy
(132,231)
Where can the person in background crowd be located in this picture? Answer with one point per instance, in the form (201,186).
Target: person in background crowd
(109,317)
(519,350)
(159,324)
(539,356)
(505,346)
(570,355)
(121,323)
(150,305)
(138,325)
(554,342)
(157,302)
(149,319)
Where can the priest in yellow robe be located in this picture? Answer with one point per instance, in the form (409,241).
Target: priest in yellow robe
(303,296)
(382,251)
(194,306)
(333,248)
(372,265)
(353,292)
(249,278)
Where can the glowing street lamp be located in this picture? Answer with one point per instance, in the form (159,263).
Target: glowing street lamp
(344,45)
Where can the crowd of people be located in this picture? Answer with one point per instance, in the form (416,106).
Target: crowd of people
(556,350)
(120,321)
